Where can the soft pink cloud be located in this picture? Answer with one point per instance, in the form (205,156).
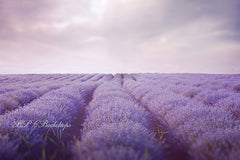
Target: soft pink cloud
(119,36)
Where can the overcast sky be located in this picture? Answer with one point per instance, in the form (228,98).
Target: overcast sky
(110,36)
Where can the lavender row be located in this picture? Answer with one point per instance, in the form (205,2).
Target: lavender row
(192,84)
(59,106)
(29,81)
(221,97)
(21,96)
(204,81)
(210,133)
(116,127)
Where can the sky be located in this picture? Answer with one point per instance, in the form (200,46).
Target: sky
(119,36)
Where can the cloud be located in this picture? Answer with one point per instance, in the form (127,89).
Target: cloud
(119,36)
(174,36)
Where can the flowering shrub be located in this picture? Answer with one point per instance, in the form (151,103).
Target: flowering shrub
(121,116)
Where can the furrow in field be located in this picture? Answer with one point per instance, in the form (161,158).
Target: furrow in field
(87,77)
(22,97)
(62,107)
(26,82)
(74,131)
(116,127)
(219,96)
(173,148)
(193,122)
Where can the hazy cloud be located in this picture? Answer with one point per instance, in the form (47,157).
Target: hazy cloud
(119,36)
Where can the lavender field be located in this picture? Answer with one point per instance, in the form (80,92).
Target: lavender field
(120,117)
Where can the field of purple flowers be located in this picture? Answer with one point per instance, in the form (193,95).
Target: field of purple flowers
(120,117)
